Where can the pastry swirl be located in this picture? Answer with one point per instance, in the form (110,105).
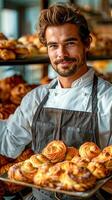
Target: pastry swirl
(71,152)
(55,151)
(89,150)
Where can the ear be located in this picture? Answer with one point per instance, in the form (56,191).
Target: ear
(88,43)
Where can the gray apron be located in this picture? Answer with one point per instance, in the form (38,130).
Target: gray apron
(73,127)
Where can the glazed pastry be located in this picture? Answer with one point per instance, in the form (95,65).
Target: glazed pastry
(33,50)
(79,161)
(98,169)
(8,44)
(72,177)
(38,160)
(42,178)
(71,152)
(22,171)
(55,151)
(105,157)
(21,51)
(89,150)
(7,55)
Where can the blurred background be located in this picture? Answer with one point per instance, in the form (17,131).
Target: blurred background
(19,18)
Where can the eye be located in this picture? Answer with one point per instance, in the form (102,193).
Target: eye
(71,43)
(52,46)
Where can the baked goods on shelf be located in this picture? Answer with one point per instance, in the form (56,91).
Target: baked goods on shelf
(53,168)
(27,46)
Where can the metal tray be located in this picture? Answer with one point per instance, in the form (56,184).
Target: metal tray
(79,195)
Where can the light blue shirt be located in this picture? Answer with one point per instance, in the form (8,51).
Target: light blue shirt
(15,133)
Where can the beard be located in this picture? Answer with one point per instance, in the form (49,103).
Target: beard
(74,65)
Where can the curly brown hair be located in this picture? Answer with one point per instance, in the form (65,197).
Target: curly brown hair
(58,14)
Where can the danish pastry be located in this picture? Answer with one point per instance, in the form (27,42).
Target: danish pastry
(105,157)
(71,152)
(38,160)
(89,150)
(41,178)
(98,169)
(79,161)
(55,151)
(72,177)
(22,171)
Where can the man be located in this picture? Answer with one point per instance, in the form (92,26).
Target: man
(75,107)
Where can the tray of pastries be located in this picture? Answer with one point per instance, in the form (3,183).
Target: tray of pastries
(63,169)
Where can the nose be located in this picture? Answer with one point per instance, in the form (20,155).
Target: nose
(62,51)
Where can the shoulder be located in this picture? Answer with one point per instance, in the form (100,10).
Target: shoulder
(37,94)
(104,87)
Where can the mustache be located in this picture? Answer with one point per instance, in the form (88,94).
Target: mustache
(56,62)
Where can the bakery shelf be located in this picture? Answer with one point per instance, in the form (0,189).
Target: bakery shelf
(94,57)
(41,59)
(44,59)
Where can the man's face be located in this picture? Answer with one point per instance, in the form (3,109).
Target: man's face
(65,49)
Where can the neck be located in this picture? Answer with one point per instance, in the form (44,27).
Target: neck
(66,82)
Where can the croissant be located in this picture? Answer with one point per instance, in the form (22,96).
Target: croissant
(55,151)
(71,152)
(89,150)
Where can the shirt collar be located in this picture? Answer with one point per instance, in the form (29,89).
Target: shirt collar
(83,81)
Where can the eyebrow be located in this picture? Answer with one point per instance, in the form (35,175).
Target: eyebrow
(66,40)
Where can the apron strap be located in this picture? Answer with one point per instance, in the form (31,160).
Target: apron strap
(95,127)
(37,114)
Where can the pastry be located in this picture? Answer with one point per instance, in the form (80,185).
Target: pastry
(8,44)
(71,152)
(79,161)
(105,157)
(42,178)
(22,171)
(6,54)
(33,50)
(71,177)
(55,151)
(98,169)
(21,51)
(89,150)
(38,160)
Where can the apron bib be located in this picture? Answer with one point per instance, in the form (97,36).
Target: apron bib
(73,127)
